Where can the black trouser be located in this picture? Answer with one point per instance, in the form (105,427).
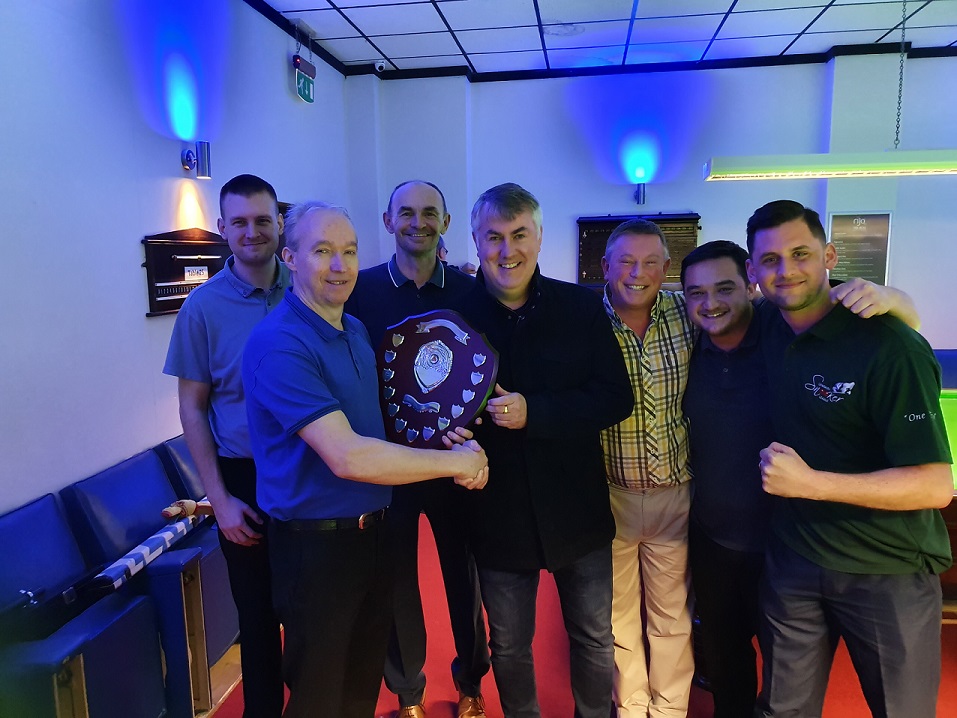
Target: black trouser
(726,598)
(890,624)
(250,583)
(404,673)
(332,590)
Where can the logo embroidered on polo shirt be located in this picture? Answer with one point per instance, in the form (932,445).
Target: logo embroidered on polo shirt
(822,391)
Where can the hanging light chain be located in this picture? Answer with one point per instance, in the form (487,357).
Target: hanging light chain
(900,76)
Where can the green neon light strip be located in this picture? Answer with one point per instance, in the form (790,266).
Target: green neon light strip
(948,405)
(897,163)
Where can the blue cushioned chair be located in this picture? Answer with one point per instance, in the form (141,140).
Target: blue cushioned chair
(64,653)
(181,469)
(221,623)
(119,508)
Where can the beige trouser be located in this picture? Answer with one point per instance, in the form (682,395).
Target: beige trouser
(651,545)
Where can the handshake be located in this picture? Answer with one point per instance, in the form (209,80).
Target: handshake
(474,471)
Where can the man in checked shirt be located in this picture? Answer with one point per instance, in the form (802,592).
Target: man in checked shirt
(646,460)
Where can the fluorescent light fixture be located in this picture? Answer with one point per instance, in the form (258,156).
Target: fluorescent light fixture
(894,163)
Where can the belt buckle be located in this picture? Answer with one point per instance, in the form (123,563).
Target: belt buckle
(364,519)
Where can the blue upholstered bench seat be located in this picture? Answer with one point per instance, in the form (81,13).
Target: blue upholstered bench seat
(60,643)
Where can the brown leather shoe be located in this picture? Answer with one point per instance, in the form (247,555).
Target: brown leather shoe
(470,707)
(416,711)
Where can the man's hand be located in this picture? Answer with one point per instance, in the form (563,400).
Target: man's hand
(508,409)
(474,473)
(231,514)
(862,297)
(458,435)
(867,300)
(784,473)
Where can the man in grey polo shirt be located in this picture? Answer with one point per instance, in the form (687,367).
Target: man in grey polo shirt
(205,354)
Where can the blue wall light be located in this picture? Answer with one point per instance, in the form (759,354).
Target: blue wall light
(198,160)
(639,156)
(182,97)
(176,55)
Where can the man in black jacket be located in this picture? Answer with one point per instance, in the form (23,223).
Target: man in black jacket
(561,380)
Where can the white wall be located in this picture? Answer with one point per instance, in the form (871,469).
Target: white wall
(562,139)
(85,175)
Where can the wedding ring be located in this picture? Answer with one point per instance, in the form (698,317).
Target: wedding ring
(506,409)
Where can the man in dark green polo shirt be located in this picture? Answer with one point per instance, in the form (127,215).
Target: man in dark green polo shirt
(862,462)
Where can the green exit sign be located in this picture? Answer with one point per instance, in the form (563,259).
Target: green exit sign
(305,78)
(305,87)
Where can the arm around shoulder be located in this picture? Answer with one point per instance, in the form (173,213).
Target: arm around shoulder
(868,299)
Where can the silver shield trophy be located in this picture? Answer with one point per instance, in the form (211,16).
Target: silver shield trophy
(436,374)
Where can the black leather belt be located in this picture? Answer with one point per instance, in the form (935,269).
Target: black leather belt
(361,523)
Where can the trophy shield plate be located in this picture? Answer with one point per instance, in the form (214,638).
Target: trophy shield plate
(435,375)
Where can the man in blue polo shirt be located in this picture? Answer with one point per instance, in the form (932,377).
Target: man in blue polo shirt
(325,470)
(205,353)
(861,462)
(413,282)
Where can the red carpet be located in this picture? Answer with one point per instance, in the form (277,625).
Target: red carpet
(844,698)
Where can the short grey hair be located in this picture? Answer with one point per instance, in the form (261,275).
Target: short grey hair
(506,201)
(637,227)
(296,213)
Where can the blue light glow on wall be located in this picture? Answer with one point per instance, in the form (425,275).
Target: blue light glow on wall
(640,128)
(176,54)
(639,156)
(182,99)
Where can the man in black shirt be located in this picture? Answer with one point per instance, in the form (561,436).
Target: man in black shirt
(413,282)
(727,404)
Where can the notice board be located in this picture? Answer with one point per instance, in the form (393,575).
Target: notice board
(861,241)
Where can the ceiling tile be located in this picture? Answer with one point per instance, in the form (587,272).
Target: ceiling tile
(417,44)
(748,47)
(672,8)
(930,36)
(395,19)
(586,57)
(351,49)
(287,5)
(868,2)
(678,29)
(590,34)
(882,16)
(745,5)
(354,3)
(505,39)
(325,23)
(822,42)
(665,52)
(939,12)
(562,11)
(507,61)
(418,63)
(475,14)
(770,22)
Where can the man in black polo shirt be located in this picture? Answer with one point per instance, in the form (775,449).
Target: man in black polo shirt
(862,462)
(726,403)
(413,282)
